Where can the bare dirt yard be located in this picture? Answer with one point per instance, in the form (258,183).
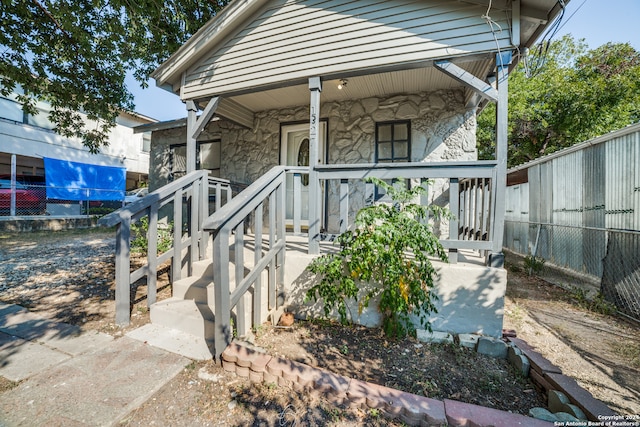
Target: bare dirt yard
(68,276)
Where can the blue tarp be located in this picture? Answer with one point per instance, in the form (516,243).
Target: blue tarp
(81,181)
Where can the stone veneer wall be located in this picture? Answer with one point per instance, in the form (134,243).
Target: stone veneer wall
(441,129)
(159,157)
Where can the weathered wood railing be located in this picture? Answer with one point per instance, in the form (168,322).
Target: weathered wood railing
(463,202)
(190,197)
(475,203)
(228,228)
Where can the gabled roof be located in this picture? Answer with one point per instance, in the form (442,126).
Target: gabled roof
(261,45)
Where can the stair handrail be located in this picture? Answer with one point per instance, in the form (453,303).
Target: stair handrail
(268,190)
(195,186)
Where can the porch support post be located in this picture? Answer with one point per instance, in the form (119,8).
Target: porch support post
(192,120)
(315,87)
(496,258)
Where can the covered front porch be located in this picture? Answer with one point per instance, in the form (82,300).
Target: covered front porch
(236,261)
(304,100)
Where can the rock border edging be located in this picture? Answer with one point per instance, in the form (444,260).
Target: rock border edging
(409,408)
(549,378)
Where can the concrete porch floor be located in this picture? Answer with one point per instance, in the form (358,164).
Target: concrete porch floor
(470,294)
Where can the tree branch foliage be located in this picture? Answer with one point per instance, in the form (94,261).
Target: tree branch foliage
(74,54)
(574,95)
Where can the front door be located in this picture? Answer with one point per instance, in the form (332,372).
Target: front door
(295,152)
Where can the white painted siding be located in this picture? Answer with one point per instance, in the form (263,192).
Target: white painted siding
(295,39)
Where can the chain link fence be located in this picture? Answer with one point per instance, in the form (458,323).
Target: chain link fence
(607,258)
(31,199)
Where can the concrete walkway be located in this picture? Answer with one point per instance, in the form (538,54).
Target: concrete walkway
(70,378)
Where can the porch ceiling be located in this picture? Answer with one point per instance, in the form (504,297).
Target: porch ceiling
(425,79)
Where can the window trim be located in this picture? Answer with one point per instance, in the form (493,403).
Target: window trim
(393,141)
(172,147)
(378,192)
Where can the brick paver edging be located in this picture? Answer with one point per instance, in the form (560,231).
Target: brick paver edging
(412,409)
(549,377)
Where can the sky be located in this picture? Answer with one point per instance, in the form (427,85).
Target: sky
(596,21)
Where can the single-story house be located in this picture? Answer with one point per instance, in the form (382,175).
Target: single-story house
(335,92)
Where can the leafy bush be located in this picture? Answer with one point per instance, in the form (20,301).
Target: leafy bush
(140,237)
(597,304)
(385,255)
(101,211)
(534,264)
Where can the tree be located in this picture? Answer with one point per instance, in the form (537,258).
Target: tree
(564,95)
(74,54)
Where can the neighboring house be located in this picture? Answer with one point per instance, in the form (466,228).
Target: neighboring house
(579,209)
(336,92)
(29,139)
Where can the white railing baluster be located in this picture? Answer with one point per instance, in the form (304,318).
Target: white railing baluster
(238,246)
(344,205)
(123,265)
(281,203)
(204,213)
(222,305)
(152,256)
(193,204)
(272,265)
(297,202)
(424,198)
(454,200)
(176,264)
(257,256)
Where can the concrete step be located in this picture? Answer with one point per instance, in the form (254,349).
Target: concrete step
(174,341)
(202,268)
(196,287)
(187,316)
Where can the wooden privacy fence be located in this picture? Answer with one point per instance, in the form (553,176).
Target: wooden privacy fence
(193,198)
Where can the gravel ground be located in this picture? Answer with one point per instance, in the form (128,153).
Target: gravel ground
(69,277)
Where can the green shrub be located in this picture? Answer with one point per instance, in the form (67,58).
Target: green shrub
(140,239)
(386,255)
(534,264)
(101,211)
(597,304)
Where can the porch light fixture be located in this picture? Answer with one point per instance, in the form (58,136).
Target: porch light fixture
(343,83)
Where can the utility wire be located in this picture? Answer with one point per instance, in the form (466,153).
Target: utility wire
(571,16)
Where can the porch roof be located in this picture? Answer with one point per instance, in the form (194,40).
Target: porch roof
(259,54)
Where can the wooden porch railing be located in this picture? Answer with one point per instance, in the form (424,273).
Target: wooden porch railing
(190,196)
(228,228)
(472,205)
(470,187)
(475,207)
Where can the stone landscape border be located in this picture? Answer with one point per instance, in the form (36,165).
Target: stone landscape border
(409,408)
(549,378)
